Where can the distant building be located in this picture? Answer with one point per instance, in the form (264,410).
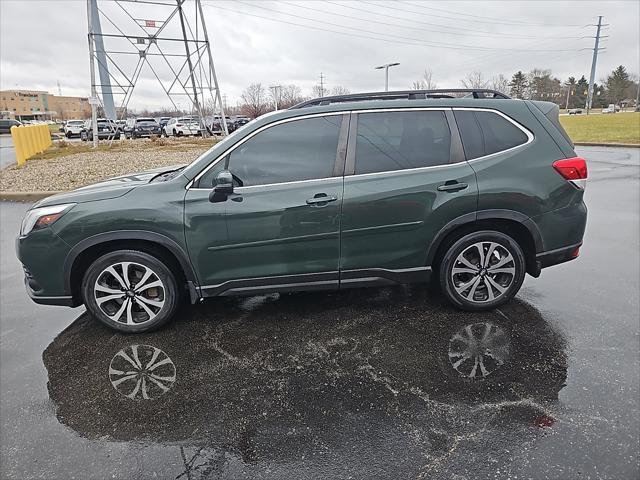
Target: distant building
(40,105)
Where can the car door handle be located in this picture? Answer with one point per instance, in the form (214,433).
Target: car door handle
(452,186)
(320,198)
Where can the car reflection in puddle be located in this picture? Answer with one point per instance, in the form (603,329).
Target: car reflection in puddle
(373,377)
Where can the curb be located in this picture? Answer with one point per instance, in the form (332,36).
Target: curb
(596,144)
(26,196)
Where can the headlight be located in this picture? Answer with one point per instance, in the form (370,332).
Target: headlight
(43,217)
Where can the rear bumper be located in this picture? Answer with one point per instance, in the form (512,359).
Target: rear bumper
(559,255)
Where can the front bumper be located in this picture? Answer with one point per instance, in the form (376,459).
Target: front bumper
(42,255)
(63,300)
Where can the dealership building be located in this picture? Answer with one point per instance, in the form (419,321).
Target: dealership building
(40,105)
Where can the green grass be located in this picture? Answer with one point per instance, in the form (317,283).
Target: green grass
(608,128)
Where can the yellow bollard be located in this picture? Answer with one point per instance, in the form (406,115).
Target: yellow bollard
(47,139)
(36,137)
(38,132)
(28,133)
(17,136)
(43,138)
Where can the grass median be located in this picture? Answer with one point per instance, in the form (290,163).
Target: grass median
(622,127)
(69,165)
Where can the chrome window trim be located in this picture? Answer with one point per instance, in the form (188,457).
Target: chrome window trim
(312,180)
(527,132)
(251,135)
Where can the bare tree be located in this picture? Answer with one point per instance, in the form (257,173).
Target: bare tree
(499,83)
(474,80)
(427,81)
(340,90)
(255,100)
(290,95)
(318,91)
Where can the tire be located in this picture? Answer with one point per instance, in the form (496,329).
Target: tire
(475,286)
(130,310)
(177,134)
(68,134)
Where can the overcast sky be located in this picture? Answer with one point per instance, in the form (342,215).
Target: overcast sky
(43,42)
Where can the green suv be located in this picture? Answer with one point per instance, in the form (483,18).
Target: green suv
(337,192)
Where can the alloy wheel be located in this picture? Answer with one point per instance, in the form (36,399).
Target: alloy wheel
(483,272)
(129,293)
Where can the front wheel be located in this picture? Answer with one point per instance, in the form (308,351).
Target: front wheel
(130,291)
(482,270)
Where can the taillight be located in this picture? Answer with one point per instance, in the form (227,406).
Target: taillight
(573,169)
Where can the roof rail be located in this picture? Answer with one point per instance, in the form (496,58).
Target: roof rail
(403,95)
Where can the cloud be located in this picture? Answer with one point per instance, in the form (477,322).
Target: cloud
(43,42)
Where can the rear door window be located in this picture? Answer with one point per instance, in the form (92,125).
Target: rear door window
(390,141)
(484,133)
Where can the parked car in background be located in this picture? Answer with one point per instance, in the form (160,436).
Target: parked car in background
(162,121)
(121,124)
(333,193)
(73,128)
(141,127)
(182,126)
(612,108)
(107,129)
(7,123)
(574,111)
(214,124)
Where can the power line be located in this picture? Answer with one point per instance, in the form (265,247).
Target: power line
(456,28)
(411,39)
(487,19)
(430,30)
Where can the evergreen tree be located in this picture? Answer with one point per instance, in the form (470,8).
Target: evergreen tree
(518,85)
(582,89)
(617,84)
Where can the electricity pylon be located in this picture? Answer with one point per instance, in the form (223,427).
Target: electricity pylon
(167,38)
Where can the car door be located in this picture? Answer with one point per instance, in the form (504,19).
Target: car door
(281,227)
(405,179)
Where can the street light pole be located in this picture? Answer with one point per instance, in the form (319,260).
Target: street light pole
(386,73)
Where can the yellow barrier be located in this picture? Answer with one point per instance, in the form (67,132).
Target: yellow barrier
(30,140)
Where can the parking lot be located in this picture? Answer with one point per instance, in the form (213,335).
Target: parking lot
(362,384)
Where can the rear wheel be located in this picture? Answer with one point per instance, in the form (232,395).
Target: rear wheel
(482,270)
(130,291)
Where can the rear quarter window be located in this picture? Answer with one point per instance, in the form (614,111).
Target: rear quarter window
(484,133)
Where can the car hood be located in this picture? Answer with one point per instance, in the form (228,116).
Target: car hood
(110,188)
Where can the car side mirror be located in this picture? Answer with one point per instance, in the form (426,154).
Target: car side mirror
(223,187)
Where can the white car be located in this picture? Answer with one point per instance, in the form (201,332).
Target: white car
(179,127)
(73,127)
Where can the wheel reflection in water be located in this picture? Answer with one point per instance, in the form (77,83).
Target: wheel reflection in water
(142,372)
(479,349)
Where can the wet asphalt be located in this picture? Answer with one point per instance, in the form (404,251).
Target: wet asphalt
(362,384)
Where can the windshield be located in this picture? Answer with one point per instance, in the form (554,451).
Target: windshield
(145,120)
(75,122)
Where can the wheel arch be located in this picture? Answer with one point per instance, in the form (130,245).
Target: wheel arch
(510,222)
(82,254)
